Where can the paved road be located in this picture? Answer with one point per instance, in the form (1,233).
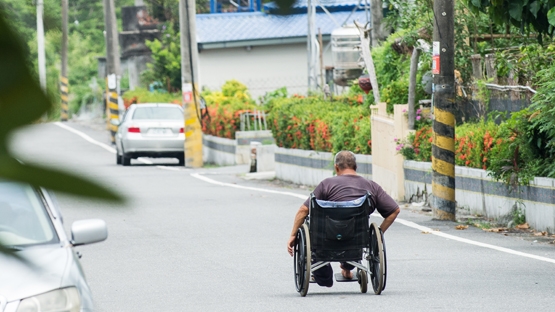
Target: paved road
(183,244)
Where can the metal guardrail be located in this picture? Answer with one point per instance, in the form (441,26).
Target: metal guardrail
(509,88)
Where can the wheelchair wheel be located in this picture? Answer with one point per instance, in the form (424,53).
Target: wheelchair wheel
(363,281)
(302,260)
(384,261)
(376,259)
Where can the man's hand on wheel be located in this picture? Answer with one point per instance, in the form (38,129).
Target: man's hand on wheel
(291,244)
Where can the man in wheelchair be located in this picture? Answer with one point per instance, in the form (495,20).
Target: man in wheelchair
(347,185)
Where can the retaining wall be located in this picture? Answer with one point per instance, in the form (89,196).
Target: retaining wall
(482,195)
(227,152)
(311,167)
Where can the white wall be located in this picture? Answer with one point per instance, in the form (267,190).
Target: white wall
(262,68)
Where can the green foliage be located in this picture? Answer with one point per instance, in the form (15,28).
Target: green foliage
(23,102)
(525,61)
(278,93)
(225,109)
(527,15)
(519,213)
(421,143)
(142,95)
(475,144)
(86,43)
(312,123)
(410,15)
(166,60)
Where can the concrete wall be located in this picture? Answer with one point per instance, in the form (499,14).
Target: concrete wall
(227,152)
(262,68)
(265,158)
(482,195)
(387,164)
(310,167)
(219,151)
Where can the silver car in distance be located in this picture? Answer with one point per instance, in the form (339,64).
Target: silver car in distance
(151,130)
(44,273)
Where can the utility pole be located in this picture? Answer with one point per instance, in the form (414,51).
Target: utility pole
(443,146)
(377,17)
(40,43)
(64,85)
(189,82)
(311,58)
(112,66)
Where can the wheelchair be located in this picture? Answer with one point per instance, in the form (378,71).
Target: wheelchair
(340,232)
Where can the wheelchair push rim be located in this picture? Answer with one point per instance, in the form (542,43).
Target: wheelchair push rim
(376,259)
(302,260)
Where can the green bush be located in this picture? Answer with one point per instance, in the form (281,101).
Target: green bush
(312,123)
(225,109)
(142,95)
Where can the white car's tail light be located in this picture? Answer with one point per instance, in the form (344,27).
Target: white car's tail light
(134,129)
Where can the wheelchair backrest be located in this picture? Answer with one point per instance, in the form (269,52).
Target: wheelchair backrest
(339,226)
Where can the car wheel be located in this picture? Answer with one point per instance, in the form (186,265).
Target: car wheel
(125,160)
(181,160)
(118,158)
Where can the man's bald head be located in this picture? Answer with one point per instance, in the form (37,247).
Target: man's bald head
(345,160)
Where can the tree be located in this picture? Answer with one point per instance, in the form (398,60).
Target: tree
(527,15)
(166,60)
(22,103)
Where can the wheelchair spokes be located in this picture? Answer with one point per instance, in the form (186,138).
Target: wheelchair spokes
(376,259)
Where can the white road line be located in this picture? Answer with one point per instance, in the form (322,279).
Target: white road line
(199,176)
(401,221)
(108,147)
(86,137)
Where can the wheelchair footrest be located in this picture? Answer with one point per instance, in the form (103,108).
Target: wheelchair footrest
(339,278)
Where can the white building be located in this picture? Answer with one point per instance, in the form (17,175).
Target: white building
(266,51)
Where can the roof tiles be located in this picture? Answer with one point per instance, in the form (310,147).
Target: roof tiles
(229,27)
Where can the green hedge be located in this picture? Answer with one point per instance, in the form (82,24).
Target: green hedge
(312,123)
(225,108)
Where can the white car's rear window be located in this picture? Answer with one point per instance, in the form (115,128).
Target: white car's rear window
(158,113)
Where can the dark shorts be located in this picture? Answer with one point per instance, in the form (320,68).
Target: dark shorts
(324,275)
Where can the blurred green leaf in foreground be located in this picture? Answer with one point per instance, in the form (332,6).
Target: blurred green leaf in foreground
(21,103)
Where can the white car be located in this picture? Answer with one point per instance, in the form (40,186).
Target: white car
(44,273)
(151,130)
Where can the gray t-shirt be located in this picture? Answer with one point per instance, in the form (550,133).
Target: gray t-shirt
(349,187)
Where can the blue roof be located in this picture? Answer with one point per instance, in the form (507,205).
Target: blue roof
(331,5)
(229,27)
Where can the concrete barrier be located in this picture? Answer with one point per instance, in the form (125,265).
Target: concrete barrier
(480,194)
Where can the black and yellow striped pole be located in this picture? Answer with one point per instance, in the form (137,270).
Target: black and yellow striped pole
(443,148)
(112,106)
(64,84)
(64,90)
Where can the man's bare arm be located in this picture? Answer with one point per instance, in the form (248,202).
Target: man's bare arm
(302,213)
(389,220)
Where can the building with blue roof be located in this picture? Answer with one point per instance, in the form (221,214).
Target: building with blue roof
(267,51)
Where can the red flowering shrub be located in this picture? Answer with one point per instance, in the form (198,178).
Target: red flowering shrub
(475,144)
(225,109)
(314,124)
